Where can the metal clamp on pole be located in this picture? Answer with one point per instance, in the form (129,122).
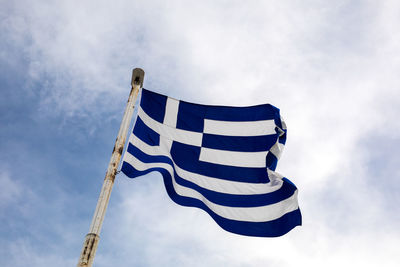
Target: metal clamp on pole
(92,238)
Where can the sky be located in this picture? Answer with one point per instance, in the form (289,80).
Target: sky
(332,67)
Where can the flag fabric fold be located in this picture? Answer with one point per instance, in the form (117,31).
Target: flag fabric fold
(217,158)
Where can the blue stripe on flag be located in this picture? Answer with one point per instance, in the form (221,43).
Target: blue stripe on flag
(271,161)
(239,143)
(146,134)
(190,117)
(253,113)
(282,138)
(153,104)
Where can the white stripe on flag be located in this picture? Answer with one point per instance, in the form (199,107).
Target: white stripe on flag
(234,158)
(211,183)
(170,119)
(171,112)
(283,124)
(250,214)
(239,128)
(182,136)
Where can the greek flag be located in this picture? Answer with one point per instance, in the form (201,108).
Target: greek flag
(217,158)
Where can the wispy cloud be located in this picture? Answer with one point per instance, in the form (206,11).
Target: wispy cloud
(12,192)
(332,68)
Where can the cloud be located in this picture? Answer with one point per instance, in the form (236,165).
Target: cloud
(342,223)
(332,68)
(22,251)
(10,189)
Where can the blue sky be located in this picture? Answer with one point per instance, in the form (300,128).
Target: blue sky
(332,68)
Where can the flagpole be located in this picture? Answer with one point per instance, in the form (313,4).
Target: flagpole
(92,238)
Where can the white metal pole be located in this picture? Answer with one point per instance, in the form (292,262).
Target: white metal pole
(92,238)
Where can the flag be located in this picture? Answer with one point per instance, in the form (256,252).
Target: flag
(217,158)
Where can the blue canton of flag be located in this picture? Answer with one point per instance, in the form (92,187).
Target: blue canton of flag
(217,158)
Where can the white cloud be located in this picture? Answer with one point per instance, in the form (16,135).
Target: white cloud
(332,68)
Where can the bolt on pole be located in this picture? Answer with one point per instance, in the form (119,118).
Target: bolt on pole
(92,238)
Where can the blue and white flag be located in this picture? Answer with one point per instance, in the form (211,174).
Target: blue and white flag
(217,158)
